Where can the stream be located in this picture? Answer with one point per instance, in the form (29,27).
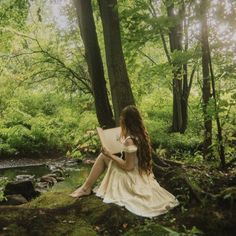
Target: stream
(36,170)
(22,180)
(11,168)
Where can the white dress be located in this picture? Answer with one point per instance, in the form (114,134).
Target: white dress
(140,194)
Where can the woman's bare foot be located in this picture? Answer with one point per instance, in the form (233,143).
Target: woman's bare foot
(81,192)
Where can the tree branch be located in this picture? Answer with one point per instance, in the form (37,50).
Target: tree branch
(59,62)
(154,14)
(65,66)
(144,54)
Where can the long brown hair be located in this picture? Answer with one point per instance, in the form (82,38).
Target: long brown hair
(131,124)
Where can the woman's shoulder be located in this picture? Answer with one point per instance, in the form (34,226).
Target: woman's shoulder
(128,145)
(128,141)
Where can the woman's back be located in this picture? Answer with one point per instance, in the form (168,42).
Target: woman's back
(128,146)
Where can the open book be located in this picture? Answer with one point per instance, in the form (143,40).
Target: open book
(110,139)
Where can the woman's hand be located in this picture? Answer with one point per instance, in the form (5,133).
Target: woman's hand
(106,152)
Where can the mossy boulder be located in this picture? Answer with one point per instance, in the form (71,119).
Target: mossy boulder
(56,213)
(151,229)
(227,197)
(37,222)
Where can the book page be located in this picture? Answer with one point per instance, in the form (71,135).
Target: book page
(110,139)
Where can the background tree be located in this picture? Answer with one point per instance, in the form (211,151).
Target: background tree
(206,85)
(168,24)
(118,77)
(175,39)
(94,60)
(178,13)
(44,58)
(208,74)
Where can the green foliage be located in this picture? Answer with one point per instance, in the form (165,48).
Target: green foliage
(156,110)
(45,92)
(181,58)
(40,100)
(3,182)
(193,231)
(12,14)
(187,156)
(153,229)
(43,123)
(87,141)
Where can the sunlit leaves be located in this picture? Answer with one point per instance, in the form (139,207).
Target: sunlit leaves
(182,57)
(13,13)
(233,96)
(32,50)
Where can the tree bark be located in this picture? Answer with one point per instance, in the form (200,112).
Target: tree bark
(186,86)
(221,148)
(206,89)
(181,87)
(94,61)
(175,38)
(119,82)
(184,100)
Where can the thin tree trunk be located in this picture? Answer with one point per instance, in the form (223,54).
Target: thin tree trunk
(94,61)
(186,87)
(221,149)
(181,88)
(119,82)
(206,89)
(175,37)
(184,99)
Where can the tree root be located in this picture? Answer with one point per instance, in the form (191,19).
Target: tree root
(230,163)
(164,162)
(175,178)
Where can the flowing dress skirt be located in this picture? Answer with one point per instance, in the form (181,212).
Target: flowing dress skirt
(140,194)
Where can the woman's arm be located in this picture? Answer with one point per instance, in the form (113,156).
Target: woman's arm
(129,162)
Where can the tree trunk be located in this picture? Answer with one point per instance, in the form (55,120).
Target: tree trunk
(221,148)
(94,61)
(119,82)
(186,86)
(181,87)
(175,37)
(184,99)
(206,89)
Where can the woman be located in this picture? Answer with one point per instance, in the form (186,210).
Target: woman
(129,180)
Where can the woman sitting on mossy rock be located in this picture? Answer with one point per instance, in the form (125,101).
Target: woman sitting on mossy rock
(129,180)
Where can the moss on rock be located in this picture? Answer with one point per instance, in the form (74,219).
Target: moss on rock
(56,213)
(151,229)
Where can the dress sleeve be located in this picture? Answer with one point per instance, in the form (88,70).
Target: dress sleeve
(130,148)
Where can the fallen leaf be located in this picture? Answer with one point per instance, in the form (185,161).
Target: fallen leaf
(125,225)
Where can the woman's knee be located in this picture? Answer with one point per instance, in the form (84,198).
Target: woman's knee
(101,156)
(104,158)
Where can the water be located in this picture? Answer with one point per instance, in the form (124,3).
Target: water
(36,170)
(10,168)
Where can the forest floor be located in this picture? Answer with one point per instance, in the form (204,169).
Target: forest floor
(56,213)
